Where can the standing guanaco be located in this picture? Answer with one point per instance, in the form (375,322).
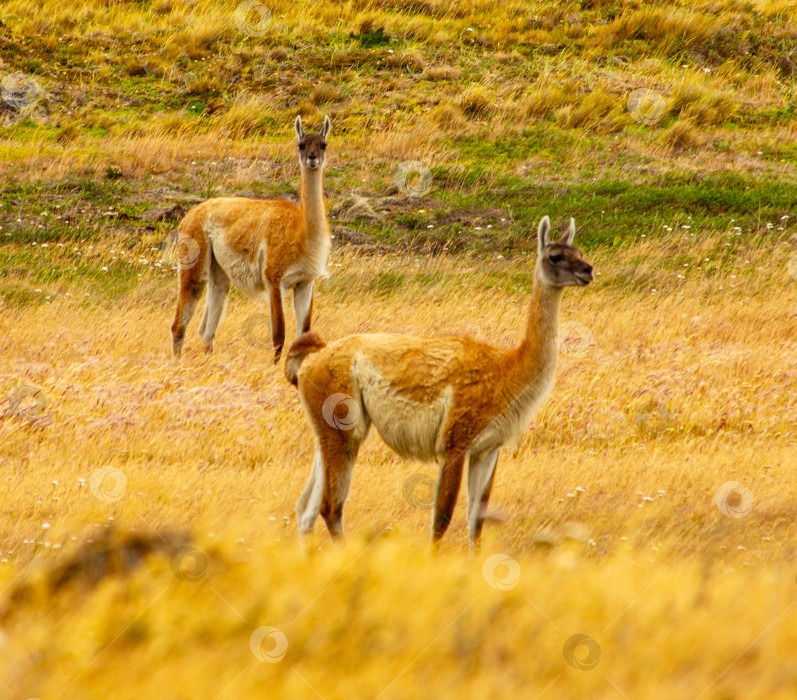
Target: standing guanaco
(264,247)
(434,399)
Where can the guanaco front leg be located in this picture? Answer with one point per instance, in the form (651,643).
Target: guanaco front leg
(481,471)
(447,492)
(303,306)
(277,321)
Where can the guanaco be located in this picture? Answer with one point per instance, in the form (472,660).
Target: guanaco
(264,247)
(434,399)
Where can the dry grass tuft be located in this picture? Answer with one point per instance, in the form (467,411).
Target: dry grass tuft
(683,134)
(445,72)
(598,110)
(543,100)
(696,101)
(476,101)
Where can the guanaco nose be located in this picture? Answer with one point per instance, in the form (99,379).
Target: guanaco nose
(587,271)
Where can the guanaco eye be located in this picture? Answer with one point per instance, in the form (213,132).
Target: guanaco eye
(323,146)
(302,146)
(556,258)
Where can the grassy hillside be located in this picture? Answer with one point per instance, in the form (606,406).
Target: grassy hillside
(148,544)
(631,117)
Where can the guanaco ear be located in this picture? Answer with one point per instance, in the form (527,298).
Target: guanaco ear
(543,233)
(567,239)
(325,129)
(299,129)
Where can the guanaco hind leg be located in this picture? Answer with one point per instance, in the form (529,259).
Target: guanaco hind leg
(191,288)
(328,485)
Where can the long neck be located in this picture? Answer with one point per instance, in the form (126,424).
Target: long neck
(539,348)
(313,209)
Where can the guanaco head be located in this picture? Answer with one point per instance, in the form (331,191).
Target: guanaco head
(312,146)
(559,263)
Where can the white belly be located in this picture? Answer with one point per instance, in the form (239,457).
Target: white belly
(413,430)
(247,276)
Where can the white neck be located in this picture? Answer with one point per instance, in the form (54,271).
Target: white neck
(314,213)
(313,209)
(540,343)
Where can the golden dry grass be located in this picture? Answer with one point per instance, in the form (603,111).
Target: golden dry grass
(676,395)
(444,74)
(610,499)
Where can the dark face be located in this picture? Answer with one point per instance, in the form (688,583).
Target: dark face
(312,147)
(563,265)
(311,151)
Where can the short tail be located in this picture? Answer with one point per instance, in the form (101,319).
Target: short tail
(301,348)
